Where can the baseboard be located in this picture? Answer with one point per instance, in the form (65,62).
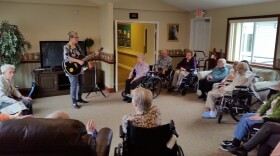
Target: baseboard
(110,90)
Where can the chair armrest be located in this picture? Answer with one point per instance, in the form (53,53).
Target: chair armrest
(103,141)
(203,74)
(122,134)
(266,119)
(241,87)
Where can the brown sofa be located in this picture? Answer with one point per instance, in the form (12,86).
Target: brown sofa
(51,137)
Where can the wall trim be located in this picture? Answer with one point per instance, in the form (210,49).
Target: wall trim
(125,66)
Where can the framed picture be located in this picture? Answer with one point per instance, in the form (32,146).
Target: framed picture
(124,35)
(173,31)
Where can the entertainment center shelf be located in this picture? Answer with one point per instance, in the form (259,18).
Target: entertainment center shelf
(52,83)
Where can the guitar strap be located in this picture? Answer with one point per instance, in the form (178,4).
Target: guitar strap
(79,48)
(69,51)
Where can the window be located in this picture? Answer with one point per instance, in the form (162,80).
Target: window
(252,39)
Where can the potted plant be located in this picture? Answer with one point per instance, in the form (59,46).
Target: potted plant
(89,43)
(12,44)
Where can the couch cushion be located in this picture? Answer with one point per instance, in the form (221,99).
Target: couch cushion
(264,85)
(266,74)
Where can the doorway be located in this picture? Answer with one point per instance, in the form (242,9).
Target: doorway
(200,34)
(132,38)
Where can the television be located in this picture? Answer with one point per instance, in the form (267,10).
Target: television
(52,53)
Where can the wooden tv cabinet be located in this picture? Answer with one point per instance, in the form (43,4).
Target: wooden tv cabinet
(52,83)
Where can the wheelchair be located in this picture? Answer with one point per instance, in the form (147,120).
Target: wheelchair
(139,141)
(243,99)
(189,82)
(152,82)
(167,79)
(256,127)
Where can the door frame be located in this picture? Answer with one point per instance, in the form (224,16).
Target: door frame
(116,43)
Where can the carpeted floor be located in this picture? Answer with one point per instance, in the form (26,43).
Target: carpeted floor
(197,136)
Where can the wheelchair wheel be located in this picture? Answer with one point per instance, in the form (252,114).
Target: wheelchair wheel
(244,103)
(183,91)
(154,84)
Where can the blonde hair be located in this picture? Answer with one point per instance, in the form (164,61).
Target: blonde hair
(72,34)
(142,98)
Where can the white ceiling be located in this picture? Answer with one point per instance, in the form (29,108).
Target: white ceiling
(187,5)
(191,5)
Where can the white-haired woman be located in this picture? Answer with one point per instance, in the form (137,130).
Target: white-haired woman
(242,77)
(217,75)
(145,115)
(135,76)
(8,93)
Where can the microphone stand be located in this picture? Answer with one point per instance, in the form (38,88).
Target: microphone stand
(95,87)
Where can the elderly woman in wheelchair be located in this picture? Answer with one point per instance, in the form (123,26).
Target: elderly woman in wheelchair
(145,115)
(270,109)
(164,62)
(135,76)
(142,132)
(241,78)
(183,69)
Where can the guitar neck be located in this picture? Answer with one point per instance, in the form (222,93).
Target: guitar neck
(92,55)
(88,57)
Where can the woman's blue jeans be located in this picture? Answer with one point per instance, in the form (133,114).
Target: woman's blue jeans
(244,126)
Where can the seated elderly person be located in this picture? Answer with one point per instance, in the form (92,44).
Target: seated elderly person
(241,78)
(229,78)
(183,69)
(163,63)
(145,115)
(8,93)
(217,75)
(268,137)
(135,76)
(270,109)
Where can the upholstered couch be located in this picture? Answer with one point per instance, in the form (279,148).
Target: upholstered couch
(51,137)
(268,77)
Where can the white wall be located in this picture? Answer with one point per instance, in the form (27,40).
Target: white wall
(106,34)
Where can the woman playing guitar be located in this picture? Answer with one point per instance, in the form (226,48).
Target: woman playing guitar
(71,53)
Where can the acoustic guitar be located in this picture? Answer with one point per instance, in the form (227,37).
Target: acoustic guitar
(74,68)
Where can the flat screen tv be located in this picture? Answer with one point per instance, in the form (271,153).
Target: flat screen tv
(52,53)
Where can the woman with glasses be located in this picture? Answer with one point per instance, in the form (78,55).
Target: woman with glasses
(71,52)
